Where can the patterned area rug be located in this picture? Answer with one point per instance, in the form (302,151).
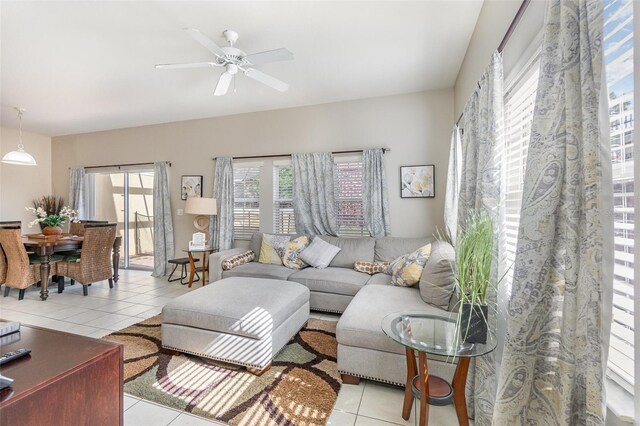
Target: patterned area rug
(300,388)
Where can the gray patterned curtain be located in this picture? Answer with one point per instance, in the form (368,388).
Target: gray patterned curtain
(454,175)
(313,193)
(221,227)
(482,188)
(163,248)
(375,193)
(76,190)
(554,359)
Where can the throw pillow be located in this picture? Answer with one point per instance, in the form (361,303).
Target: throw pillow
(319,253)
(438,283)
(371,267)
(238,259)
(289,252)
(268,253)
(406,270)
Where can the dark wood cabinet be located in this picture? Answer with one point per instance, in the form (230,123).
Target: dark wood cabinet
(66,380)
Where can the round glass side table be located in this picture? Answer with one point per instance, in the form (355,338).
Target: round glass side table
(206,251)
(434,335)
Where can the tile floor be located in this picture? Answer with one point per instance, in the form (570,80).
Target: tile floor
(139,296)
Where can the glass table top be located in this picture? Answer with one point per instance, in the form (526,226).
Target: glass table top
(432,334)
(199,249)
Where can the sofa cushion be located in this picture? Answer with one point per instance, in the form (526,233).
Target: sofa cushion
(319,253)
(352,250)
(290,251)
(256,241)
(259,270)
(238,259)
(371,268)
(360,324)
(331,280)
(268,252)
(406,270)
(390,248)
(437,283)
(380,279)
(229,306)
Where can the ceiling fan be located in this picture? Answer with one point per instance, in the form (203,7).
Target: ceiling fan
(234,60)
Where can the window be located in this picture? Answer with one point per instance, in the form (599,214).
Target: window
(618,47)
(283,219)
(246,209)
(349,205)
(519,103)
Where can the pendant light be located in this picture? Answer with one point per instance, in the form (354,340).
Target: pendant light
(19,157)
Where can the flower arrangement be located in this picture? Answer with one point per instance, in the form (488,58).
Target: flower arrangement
(52,220)
(51,213)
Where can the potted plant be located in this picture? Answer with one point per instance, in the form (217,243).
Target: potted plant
(51,215)
(474,256)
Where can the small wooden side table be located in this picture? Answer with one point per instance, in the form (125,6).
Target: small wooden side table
(206,251)
(434,335)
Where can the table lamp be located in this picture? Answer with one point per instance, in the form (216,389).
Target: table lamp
(203,208)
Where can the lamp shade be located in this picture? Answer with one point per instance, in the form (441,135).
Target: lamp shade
(19,157)
(201,206)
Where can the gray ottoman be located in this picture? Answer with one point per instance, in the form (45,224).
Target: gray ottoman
(239,320)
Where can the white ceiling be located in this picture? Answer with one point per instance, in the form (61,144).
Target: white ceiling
(87,66)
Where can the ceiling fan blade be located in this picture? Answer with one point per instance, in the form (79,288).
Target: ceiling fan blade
(190,65)
(269,56)
(223,84)
(206,42)
(266,79)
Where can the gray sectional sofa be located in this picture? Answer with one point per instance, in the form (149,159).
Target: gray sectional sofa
(362,299)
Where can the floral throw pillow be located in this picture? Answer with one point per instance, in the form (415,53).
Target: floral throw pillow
(371,268)
(268,253)
(238,259)
(290,250)
(406,270)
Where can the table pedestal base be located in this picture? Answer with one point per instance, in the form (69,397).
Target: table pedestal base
(418,379)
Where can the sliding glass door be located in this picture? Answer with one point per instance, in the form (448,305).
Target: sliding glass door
(125,198)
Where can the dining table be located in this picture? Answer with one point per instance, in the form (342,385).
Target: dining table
(44,246)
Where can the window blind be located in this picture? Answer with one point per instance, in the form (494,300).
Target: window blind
(283,219)
(246,211)
(349,204)
(519,105)
(618,48)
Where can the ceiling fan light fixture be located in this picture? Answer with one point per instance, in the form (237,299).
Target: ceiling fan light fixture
(19,157)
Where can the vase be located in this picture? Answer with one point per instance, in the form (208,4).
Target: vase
(52,230)
(473,323)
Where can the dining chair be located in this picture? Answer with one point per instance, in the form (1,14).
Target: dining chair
(3,257)
(22,272)
(94,263)
(77,228)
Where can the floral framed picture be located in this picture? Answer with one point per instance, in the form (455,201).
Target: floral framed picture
(418,181)
(190,186)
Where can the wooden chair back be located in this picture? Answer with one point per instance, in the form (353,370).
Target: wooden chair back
(77,228)
(3,257)
(16,256)
(95,258)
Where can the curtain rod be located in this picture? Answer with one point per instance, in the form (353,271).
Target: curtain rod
(123,165)
(249,157)
(508,34)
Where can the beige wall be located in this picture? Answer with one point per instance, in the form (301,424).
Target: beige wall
(493,22)
(415,126)
(19,185)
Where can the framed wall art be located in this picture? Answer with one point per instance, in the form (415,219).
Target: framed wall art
(190,186)
(418,181)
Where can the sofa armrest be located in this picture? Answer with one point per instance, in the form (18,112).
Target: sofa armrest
(216,259)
